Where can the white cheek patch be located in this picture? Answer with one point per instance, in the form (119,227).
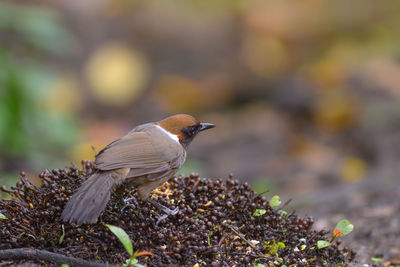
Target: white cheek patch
(172,136)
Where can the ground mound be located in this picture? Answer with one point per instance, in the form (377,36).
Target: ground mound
(215,226)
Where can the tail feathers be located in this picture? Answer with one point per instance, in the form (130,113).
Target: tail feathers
(91,198)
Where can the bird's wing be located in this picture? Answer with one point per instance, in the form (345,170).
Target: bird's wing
(136,151)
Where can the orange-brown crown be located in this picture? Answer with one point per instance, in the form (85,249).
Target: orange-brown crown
(174,124)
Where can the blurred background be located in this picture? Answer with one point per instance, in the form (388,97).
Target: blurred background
(305,94)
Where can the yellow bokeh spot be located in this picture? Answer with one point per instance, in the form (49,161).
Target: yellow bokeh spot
(353,169)
(63,95)
(178,93)
(334,111)
(116,74)
(333,67)
(265,55)
(181,94)
(84,151)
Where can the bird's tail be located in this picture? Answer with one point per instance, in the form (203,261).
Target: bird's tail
(91,198)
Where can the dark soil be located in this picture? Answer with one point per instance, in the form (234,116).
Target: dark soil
(373,207)
(214,226)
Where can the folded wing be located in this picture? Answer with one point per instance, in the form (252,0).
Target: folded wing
(136,151)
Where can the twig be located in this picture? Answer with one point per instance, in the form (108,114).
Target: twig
(35,254)
(241,236)
(286,203)
(222,240)
(94,150)
(262,193)
(247,241)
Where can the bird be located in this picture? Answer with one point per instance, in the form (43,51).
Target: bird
(145,158)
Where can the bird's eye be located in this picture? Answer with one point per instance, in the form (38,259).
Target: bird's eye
(190,131)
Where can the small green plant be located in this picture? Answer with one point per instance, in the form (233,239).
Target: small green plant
(123,237)
(2,216)
(376,259)
(126,241)
(275,201)
(273,247)
(344,227)
(259,212)
(133,262)
(323,243)
(209,236)
(62,236)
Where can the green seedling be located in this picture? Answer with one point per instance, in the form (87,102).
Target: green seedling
(259,212)
(209,236)
(2,216)
(344,227)
(126,241)
(275,201)
(375,259)
(133,262)
(62,236)
(283,213)
(202,262)
(123,237)
(273,247)
(323,244)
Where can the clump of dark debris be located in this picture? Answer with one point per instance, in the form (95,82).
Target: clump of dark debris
(215,225)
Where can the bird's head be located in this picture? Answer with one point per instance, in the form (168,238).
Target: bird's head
(185,127)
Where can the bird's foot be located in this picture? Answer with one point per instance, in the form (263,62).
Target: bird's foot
(127,204)
(164,209)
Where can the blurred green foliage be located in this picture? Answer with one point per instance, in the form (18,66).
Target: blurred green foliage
(28,132)
(39,27)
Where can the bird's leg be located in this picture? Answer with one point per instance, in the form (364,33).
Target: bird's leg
(127,204)
(164,209)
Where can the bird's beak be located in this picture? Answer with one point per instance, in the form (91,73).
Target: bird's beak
(205,126)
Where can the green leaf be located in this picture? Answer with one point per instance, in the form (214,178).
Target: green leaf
(122,236)
(2,216)
(275,201)
(64,265)
(259,212)
(374,259)
(130,262)
(323,244)
(62,236)
(283,213)
(259,265)
(281,245)
(344,227)
(133,262)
